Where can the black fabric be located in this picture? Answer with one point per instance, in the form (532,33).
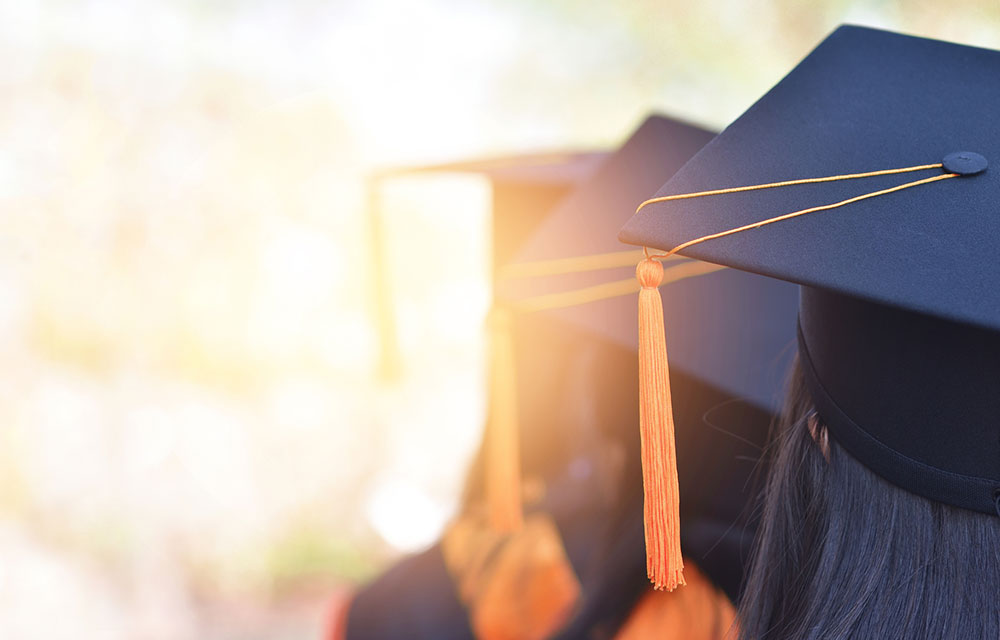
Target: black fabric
(414,599)
(613,578)
(721,549)
(719,447)
(916,399)
(720,441)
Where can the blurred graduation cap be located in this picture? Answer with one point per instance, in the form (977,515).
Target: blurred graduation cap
(524,187)
(731,335)
(862,176)
(607,561)
(727,328)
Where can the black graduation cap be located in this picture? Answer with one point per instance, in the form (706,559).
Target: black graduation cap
(727,328)
(731,336)
(899,317)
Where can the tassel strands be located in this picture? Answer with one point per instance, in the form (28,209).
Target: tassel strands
(503,467)
(664,564)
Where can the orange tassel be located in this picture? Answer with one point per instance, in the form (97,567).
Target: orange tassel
(503,468)
(664,564)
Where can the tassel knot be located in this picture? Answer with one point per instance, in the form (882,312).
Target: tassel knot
(649,272)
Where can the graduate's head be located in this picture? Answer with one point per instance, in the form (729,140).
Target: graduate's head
(864,177)
(841,552)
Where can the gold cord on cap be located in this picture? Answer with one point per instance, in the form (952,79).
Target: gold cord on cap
(794,214)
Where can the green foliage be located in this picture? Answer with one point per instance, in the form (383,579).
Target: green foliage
(306,554)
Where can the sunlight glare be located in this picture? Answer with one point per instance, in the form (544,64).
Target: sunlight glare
(404,516)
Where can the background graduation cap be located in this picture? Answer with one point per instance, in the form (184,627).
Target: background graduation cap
(524,188)
(417,597)
(891,227)
(731,337)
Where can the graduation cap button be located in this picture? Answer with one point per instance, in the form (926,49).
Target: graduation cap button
(965,163)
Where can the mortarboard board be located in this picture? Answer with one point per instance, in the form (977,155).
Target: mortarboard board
(890,227)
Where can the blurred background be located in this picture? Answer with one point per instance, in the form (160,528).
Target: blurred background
(196,438)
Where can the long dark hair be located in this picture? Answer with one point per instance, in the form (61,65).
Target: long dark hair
(842,553)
